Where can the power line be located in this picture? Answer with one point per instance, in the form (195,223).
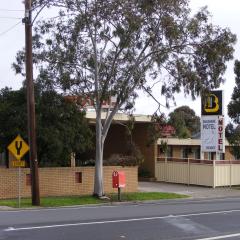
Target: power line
(10,17)
(9,29)
(10,10)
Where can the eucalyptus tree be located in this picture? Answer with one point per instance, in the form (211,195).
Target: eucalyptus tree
(234,104)
(233,137)
(114,48)
(185,121)
(233,130)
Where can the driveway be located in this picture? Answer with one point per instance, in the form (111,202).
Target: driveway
(193,191)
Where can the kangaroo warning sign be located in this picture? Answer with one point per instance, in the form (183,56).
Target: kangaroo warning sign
(18,147)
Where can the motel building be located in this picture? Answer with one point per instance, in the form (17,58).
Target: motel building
(181,162)
(204,159)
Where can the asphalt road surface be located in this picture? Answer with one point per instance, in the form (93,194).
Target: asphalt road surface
(176,219)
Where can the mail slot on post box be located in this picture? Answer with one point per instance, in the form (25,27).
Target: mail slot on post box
(118,179)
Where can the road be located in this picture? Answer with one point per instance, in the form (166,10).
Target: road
(175,219)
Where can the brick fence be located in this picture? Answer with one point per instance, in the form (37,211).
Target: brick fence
(63,181)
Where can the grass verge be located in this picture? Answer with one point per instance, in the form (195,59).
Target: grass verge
(84,200)
(53,201)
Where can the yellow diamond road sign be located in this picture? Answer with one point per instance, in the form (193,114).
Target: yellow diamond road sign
(18,147)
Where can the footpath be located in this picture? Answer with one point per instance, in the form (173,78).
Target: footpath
(193,191)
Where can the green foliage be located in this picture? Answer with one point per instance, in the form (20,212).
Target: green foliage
(155,128)
(233,131)
(124,160)
(185,121)
(233,136)
(120,44)
(164,147)
(234,105)
(53,201)
(61,127)
(13,116)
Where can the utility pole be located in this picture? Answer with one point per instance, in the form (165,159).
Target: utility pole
(31,105)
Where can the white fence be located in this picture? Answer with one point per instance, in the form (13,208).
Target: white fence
(198,172)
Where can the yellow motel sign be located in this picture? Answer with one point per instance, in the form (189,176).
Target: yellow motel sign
(18,147)
(212,103)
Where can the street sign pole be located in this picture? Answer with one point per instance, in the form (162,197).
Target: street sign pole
(19,187)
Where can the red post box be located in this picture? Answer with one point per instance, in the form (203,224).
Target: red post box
(118,179)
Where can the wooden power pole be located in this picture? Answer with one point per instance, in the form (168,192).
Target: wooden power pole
(31,105)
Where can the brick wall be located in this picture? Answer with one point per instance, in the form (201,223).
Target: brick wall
(62,181)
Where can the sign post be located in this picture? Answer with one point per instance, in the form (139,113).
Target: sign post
(19,187)
(18,147)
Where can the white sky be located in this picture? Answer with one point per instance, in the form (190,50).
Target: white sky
(224,13)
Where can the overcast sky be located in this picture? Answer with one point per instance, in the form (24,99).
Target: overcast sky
(224,14)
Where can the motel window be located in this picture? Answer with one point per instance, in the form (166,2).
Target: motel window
(211,155)
(170,152)
(185,151)
(222,156)
(197,153)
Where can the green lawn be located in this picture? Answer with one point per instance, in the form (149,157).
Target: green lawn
(84,200)
(53,201)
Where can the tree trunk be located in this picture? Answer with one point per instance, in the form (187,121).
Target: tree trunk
(101,133)
(98,181)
